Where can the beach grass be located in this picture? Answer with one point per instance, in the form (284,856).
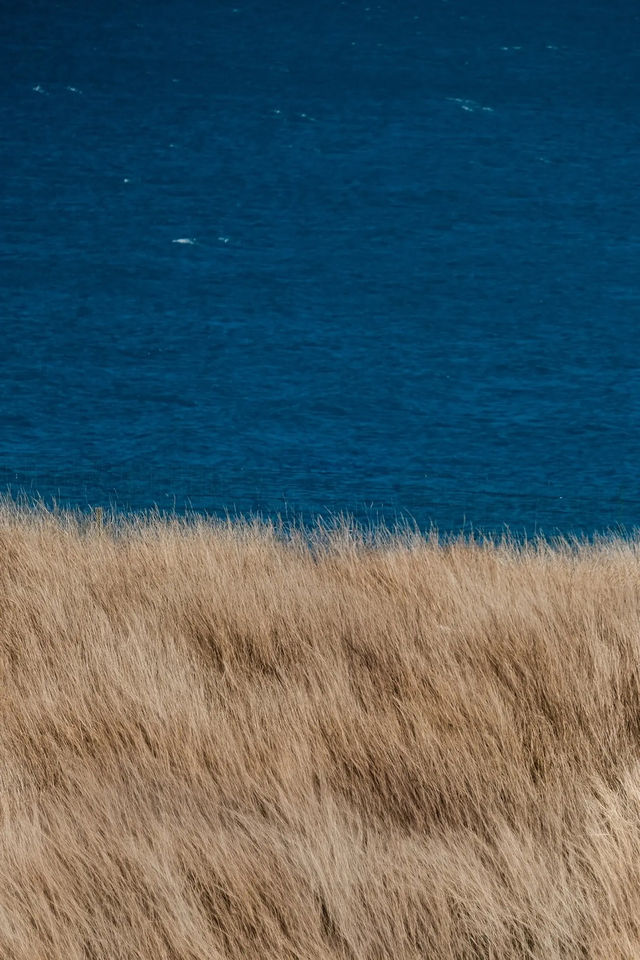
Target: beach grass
(224,740)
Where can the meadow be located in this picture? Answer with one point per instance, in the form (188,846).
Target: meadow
(221,740)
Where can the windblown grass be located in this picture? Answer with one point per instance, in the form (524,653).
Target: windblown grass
(218,743)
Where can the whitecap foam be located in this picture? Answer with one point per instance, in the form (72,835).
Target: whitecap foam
(470,106)
(188,241)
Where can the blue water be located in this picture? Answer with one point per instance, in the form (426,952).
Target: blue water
(411,282)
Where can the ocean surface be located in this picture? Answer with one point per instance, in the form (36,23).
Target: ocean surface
(310,258)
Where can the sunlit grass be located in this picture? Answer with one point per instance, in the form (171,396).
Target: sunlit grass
(221,740)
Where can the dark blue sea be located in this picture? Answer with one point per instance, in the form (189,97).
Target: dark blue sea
(305,258)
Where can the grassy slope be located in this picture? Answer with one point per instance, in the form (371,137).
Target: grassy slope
(215,744)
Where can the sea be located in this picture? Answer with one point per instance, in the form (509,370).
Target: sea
(324,259)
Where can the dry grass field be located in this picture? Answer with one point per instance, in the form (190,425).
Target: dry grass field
(216,742)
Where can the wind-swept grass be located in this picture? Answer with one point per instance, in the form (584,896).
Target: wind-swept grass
(216,742)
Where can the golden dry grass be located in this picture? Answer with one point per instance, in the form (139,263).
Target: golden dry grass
(216,743)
